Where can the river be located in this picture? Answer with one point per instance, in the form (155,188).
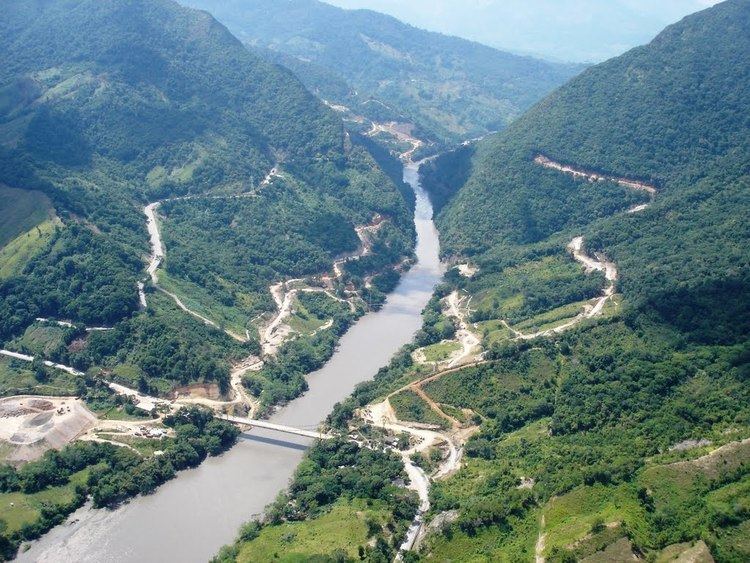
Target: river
(192,516)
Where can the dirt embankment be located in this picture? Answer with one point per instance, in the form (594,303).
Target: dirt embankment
(584,174)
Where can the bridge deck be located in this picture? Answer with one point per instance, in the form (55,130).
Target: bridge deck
(276,427)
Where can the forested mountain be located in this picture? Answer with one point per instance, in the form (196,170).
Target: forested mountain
(603,259)
(601,417)
(674,114)
(107,106)
(387,70)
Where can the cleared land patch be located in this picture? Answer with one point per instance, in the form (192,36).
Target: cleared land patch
(343,528)
(32,425)
(22,210)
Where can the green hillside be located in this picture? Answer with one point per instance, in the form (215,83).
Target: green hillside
(107,106)
(22,210)
(608,408)
(600,428)
(673,113)
(379,67)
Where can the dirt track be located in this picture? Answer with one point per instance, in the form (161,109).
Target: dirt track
(468,340)
(590,264)
(158,251)
(582,173)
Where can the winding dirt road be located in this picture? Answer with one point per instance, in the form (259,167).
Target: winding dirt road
(158,251)
(383,416)
(590,264)
(276,332)
(155,260)
(468,340)
(582,173)
(401,134)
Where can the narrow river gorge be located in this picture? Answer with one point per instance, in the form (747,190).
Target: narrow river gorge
(191,517)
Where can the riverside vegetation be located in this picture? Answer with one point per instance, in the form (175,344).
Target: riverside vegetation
(625,435)
(105,108)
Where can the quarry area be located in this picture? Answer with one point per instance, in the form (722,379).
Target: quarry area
(31,425)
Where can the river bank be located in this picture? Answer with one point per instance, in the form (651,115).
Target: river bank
(190,518)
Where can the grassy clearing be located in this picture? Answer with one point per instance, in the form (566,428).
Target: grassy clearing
(519,292)
(571,517)
(708,496)
(343,528)
(493,332)
(456,413)
(489,389)
(144,446)
(303,320)
(734,543)
(41,339)
(508,544)
(537,430)
(17,379)
(410,407)
(552,318)
(128,373)
(18,509)
(493,300)
(471,478)
(441,351)
(674,483)
(612,306)
(158,175)
(118,413)
(22,210)
(197,299)
(414,373)
(16,253)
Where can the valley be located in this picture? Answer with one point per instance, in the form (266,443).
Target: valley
(335,288)
(596,358)
(448,88)
(246,485)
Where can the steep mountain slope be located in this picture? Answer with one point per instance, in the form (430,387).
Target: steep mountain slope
(451,88)
(107,106)
(673,114)
(611,423)
(603,262)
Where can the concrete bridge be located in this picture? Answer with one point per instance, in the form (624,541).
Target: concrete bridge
(277,427)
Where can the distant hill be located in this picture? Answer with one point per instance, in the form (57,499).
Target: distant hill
(381,67)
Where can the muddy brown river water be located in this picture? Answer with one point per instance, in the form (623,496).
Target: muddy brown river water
(191,517)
